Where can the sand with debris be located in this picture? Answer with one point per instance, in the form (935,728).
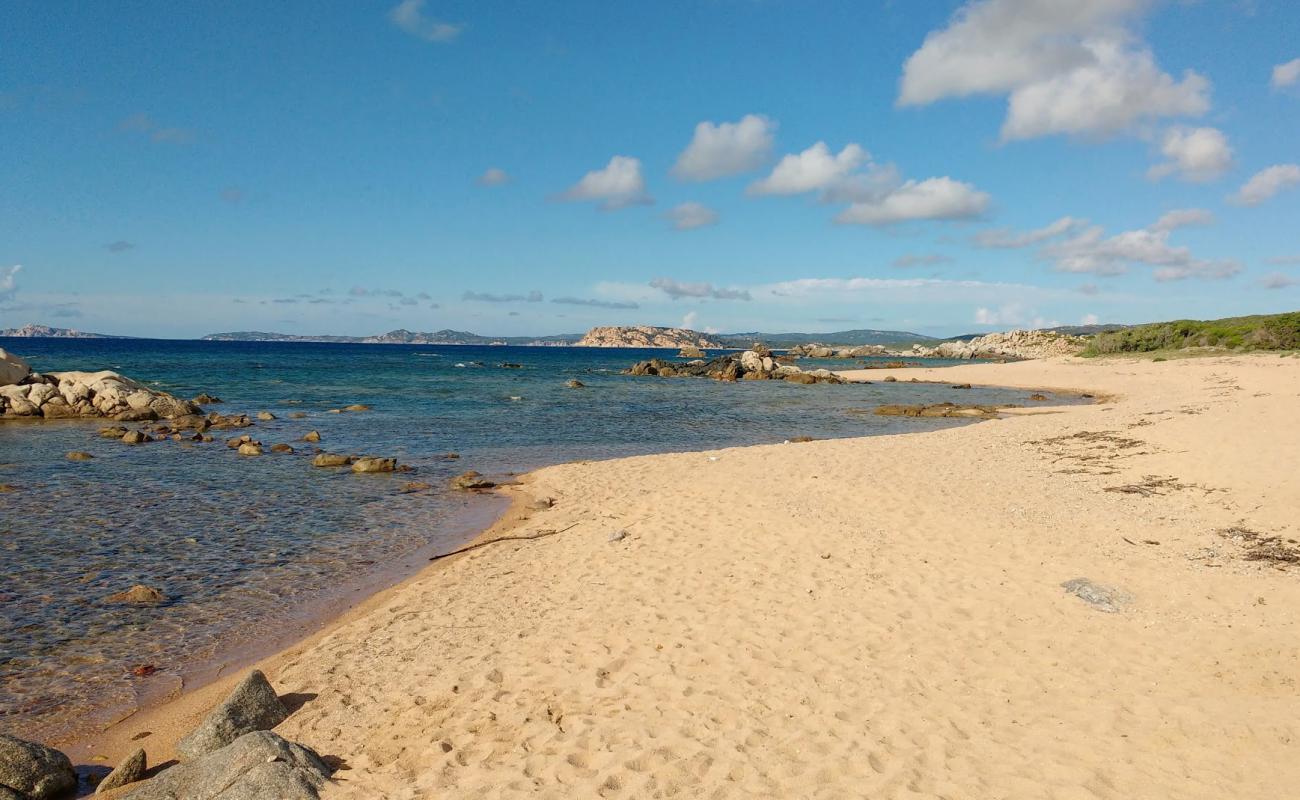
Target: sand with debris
(880,617)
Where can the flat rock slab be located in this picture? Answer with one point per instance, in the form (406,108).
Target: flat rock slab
(1109,599)
(256,766)
(252,706)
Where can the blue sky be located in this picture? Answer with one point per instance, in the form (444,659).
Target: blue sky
(508,168)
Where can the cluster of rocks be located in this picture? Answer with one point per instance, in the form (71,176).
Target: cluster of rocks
(70,395)
(1012,344)
(937,410)
(825,351)
(757,364)
(232,755)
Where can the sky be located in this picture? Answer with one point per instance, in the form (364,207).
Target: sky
(178,169)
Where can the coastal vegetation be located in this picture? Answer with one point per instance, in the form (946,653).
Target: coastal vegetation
(1256,332)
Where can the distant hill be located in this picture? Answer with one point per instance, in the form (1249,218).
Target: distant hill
(399,336)
(647,336)
(1258,332)
(855,337)
(46,332)
(1069,330)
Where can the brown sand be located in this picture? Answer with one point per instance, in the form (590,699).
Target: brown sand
(879,617)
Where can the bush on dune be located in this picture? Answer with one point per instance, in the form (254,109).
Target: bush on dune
(1259,332)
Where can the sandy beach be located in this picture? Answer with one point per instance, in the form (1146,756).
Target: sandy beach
(880,617)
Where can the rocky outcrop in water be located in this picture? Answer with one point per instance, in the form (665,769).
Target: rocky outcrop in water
(937,410)
(67,395)
(825,351)
(750,365)
(1012,344)
(646,336)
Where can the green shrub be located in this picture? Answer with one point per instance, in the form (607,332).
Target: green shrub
(1260,332)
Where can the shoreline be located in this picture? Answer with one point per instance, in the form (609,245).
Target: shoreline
(368,720)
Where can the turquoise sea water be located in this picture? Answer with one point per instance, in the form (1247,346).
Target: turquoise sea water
(243,546)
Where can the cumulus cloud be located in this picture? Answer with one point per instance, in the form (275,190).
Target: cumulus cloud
(919,260)
(727,148)
(688,216)
(485,297)
(1090,319)
(9,281)
(812,170)
(1013,314)
(1183,218)
(1278,280)
(678,290)
(409,16)
(583,301)
(1287,74)
(1072,68)
(930,199)
(1006,239)
(1092,252)
(494,176)
(1196,155)
(619,185)
(120,246)
(1266,183)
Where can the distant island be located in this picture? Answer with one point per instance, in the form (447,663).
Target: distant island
(400,336)
(46,332)
(647,336)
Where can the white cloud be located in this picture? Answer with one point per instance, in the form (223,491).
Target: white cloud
(814,169)
(932,198)
(678,290)
(1196,155)
(619,185)
(689,216)
(728,148)
(494,176)
(1005,239)
(1266,183)
(688,321)
(1092,252)
(1183,218)
(1286,74)
(9,281)
(1283,261)
(1278,280)
(409,16)
(1090,319)
(1068,67)
(1013,314)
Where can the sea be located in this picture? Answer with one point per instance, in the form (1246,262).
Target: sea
(253,552)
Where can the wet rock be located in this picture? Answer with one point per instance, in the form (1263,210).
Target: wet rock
(206,399)
(136,437)
(223,422)
(575,384)
(33,771)
(129,771)
(298,415)
(961,386)
(374,464)
(471,480)
(256,766)
(356,407)
(936,410)
(508,365)
(331,460)
(1107,599)
(416,486)
(115,432)
(1038,397)
(265,416)
(79,455)
(136,415)
(281,448)
(252,706)
(250,449)
(138,595)
(239,441)
(311,436)
(890,379)
(191,422)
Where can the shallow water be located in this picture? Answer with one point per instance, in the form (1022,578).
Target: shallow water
(238,543)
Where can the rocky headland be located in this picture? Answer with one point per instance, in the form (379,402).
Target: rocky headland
(1011,344)
(646,336)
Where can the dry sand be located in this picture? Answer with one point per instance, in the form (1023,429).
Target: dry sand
(880,617)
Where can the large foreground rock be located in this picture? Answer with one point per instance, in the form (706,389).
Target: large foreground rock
(256,766)
(34,771)
(87,394)
(129,771)
(12,368)
(252,706)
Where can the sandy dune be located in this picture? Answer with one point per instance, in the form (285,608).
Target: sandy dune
(880,617)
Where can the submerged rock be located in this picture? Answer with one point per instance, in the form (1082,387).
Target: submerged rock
(281,448)
(252,706)
(206,399)
(257,766)
(935,410)
(467,481)
(138,595)
(33,771)
(79,455)
(265,416)
(129,771)
(575,384)
(356,407)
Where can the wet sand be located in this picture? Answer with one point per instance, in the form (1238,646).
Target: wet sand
(877,617)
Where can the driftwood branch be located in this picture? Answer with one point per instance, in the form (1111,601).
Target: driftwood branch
(538,535)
